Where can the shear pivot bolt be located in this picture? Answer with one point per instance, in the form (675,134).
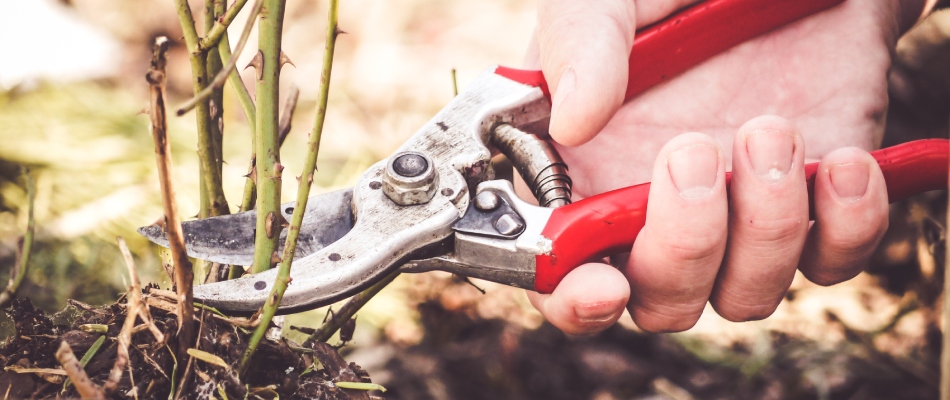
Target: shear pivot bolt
(410,179)
(508,224)
(410,165)
(486,201)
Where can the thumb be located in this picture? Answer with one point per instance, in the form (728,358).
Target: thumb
(584,50)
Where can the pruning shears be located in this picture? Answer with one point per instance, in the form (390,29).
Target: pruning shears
(434,204)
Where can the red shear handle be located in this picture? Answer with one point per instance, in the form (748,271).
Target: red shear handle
(692,36)
(609,223)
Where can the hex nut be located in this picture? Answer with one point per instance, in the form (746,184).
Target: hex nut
(410,190)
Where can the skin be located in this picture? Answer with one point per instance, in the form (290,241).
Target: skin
(814,90)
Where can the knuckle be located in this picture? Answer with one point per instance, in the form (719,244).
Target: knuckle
(687,246)
(764,231)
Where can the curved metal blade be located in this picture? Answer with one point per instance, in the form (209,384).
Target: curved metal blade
(229,239)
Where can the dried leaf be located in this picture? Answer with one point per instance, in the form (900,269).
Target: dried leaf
(209,358)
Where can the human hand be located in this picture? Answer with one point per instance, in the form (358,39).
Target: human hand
(738,250)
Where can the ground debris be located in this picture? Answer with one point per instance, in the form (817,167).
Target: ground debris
(275,371)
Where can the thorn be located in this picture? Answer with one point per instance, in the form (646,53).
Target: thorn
(283,221)
(275,258)
(258,63)
(280,168)
(284,59)
(269,224)
(339,31)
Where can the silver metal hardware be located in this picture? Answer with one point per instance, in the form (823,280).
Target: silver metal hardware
(509,224)
(538,164)
(410,179)
(486,201)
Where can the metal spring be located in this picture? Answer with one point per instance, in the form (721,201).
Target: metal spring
(538,163)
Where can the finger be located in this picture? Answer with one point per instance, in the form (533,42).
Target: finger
(650,11)
(584,50)
(676,256)
(588,300)
(768,219)
(851,216)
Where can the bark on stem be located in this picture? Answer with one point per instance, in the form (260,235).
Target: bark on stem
(268,168)
(303,193)
(184,275)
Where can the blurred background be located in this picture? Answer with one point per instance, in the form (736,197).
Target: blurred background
(72,103)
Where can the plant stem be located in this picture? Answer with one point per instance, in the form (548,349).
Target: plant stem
(283,129)
(213,202)
(219,30)
(268,168)
(303,194)
(234,78)
(86,388)
(184,275)
(455,83)
(25,248)
(225,73)
(345,313)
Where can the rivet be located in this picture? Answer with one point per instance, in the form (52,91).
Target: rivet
(260,285)
(486,201)
(509,224)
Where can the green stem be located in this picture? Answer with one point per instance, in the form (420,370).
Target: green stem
(303,194)
(345,313)
(19,270)
(213,202)
(234,78)
(228,72)
(218,30)
(267,151)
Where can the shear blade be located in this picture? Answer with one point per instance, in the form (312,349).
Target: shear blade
(229,239)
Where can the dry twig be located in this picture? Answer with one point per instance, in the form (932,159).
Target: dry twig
(131,312)
(85,387)
(184,275)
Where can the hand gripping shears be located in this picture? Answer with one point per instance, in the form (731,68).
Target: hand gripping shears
(433,205)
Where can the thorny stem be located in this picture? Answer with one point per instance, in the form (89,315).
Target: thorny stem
(303,194)
(218,32)
(213,202)
(225,72)
(345,313)
(24,249)
(283,129)
(184,275)
(268,168)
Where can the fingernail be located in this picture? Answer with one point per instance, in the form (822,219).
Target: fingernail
(693,169)
(771,152)
(565,86)
(595,312)
(850,180)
